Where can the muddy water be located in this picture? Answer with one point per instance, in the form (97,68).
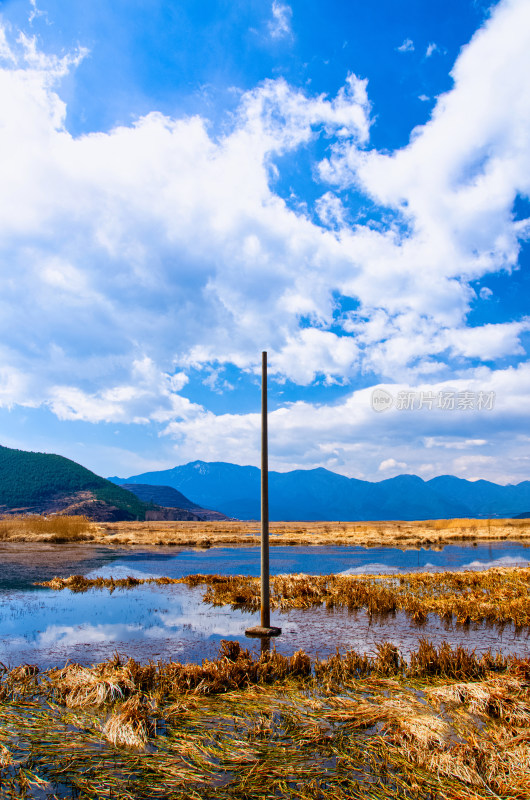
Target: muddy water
(47,628)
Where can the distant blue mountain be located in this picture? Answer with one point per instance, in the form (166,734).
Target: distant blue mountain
(318,494)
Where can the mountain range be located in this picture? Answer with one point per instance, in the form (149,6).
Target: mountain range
(44,483)
(170,498)
(319,494)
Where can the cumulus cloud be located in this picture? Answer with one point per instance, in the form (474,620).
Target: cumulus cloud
(452,189)
(148,396)
(154,240)
(162,245)
(487,342)
(391,463)
(349,437)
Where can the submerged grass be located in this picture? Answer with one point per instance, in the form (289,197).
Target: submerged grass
(262,727)
(496,595)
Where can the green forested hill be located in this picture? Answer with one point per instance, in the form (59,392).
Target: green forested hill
(31,479)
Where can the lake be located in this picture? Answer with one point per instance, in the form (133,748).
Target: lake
(40,626)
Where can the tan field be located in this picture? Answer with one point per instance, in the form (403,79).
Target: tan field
(405,535)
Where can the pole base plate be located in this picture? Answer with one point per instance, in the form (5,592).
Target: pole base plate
(259,630)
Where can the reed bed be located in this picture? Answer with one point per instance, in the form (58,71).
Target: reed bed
(433,534)
(78,583)
(270,727)
(498,595)
(54,529)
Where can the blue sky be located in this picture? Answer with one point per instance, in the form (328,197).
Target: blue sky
(186,184)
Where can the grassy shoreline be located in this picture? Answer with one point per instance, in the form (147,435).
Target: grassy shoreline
(445,724)
(405,535)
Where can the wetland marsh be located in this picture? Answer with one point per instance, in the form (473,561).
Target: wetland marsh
(399,673)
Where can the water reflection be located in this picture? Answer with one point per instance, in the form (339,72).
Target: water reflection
(150,622)
(161,622)
(164,622)
(318,560)
(264,644)
(21,564)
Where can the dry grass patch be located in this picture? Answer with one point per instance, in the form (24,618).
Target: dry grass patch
(77,686)
(433,534)
(36,528)
(251,727)
(496,595)
(130,724)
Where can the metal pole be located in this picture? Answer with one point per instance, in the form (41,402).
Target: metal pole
(265,628)
(265,596)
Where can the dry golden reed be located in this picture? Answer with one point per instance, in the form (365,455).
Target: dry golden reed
(54,529)
(247,726)
(434,534)
(78,686)
(496,595)
(130,724)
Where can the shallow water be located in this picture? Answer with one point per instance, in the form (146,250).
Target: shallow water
(22,564)
(38,625)
(171,622)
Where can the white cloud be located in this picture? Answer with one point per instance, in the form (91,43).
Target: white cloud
(468,466)
(154,240)
(391,463)
(406,47)
(453,444)
(148,396)
(313,352)
(350,438)
(35,12)
(487,342)
(280,27)
(453,195)
(432,47)
(330,209)
(129,256)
